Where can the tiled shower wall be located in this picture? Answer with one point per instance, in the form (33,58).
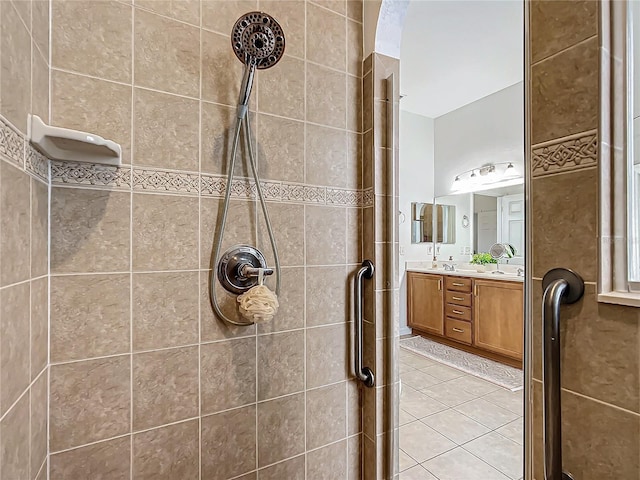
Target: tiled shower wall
(144,381)
(600,361)
(23,243)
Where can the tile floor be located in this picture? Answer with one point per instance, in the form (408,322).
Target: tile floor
(455,426)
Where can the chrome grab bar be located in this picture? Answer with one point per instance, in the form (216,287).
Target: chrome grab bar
(560,286)
(365,374)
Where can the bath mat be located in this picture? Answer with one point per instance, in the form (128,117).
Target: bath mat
(494,372)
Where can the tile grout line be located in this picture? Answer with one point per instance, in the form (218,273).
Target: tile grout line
(200,293)
(132,159)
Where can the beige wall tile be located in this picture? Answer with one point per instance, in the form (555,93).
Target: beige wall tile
(93,38)
(559,25)
(167,453)
(221,70)
(291,312)
(280,429)
(327,354)
(165,386)
(287,222)
(573,241)
(39,325)
(326,96)
(228,374)
(281,89)
(354,48)
(292,469)
(14,224)
(367,103)
(280,149)
(14,441)
(325,240)
(40,85)
(165,131)
(327,295)
(14,354)
(220,16)
(280,364)
(23,7)
(38,423)
(40,25)
(39,228)
(15,82)
(165,56)
(90,316)
(354,103)
(566,93)
(229,443)
(165,309)
(89,231)
(183,10)
(326,32)
(89,401)
(354,458)
(339,6)
(109,459)
(290,14)
(326,415)
(92,105)
(217,130)
(354,10)
(354,235)
(329,462)
(165,232)
(326,156)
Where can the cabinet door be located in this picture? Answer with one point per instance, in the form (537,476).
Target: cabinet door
(425,302)
(499,317)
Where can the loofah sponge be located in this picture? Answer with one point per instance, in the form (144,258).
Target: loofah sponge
(258,304)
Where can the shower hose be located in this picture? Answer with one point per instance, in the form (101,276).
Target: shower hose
(242,123)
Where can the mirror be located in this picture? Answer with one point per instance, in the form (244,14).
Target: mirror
(633,156)
(426,216)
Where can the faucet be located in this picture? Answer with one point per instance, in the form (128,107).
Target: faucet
(450,268)
(520,272)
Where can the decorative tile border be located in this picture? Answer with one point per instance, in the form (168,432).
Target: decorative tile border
(192,183)
(12,143)
(565,154)
(37,164)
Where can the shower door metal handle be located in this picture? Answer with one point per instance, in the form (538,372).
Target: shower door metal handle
(561,286)
(363,373)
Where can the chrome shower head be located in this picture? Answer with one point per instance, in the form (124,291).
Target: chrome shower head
(258,38)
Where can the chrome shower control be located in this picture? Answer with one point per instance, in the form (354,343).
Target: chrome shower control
(239,268)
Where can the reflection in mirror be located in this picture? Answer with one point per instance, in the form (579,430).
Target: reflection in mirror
(421,222)
(446,224)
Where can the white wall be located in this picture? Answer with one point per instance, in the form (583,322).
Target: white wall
(489,130)
(416,185)
(464,236)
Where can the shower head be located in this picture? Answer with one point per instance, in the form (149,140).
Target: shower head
(258,42)
(258,38)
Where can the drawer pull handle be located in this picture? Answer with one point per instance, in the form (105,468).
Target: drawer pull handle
(459,330)
(440,285)
(458,312)
(457,284)
(459,299)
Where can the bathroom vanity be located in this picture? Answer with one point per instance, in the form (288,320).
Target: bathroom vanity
(482,313)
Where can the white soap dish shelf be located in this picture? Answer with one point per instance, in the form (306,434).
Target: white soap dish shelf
(72,145)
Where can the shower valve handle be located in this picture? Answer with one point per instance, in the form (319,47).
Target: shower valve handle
(247,271)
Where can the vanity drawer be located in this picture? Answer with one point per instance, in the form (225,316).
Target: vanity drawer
(456,311)
(458,330)
(458,298)
(458,284)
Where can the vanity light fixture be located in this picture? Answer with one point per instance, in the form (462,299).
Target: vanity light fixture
(489,175)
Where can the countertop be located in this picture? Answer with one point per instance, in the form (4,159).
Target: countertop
(510,274)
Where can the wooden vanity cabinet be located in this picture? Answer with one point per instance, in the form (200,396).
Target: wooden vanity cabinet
(498,317)
(425,302)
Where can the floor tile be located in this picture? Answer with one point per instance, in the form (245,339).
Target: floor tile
(449,394)
(404,368)
(443,372)
(416,473)
(406,461)
(512,401)
(475,385)
(422,442)
(459,464)
(499,452)
(415,361)
(455,426)
(487,413)
(406,417)
(514,431)
(418,404)
(419,380)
